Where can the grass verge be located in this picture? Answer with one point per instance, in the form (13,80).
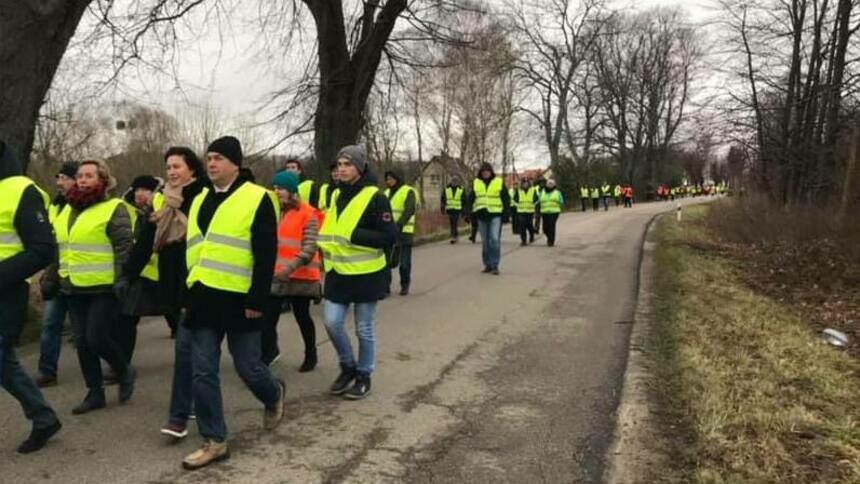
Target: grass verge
(746,389)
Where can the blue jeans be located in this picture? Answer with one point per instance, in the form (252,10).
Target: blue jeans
(181,398)
(15,380)
(491,233)
(365,330)
(206,383)
(52,338)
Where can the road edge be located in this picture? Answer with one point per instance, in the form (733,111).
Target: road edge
(632,453)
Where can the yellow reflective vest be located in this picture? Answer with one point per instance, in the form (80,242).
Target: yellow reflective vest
(341,255)
(526,202)
(488,197)
(150,270)
(86,251)
(550,202)
(222,259)
(454,198)
(398,205)
(12,189)
(305,190)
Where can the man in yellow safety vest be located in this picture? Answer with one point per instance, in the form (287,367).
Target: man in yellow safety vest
(451,204)
(404,205)
(231,251)
(26,246)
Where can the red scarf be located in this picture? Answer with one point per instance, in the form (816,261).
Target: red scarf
(82,199)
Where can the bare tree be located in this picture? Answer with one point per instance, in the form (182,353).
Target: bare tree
(644,66)
(558,36)
(797,66)
(34,36)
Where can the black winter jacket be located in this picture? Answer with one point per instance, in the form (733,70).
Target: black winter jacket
(40,247)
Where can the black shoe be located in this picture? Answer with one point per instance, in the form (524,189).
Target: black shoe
(453,241)
(495,271)
(94,400)
(404,290)
(486,270)
(550,244)
(126,385)
(532,239)
(44,381)
(310,362)
(38,438)
(360,389)
(523,243)
(472,239)
(341,385)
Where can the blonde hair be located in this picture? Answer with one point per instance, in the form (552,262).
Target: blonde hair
(103,171)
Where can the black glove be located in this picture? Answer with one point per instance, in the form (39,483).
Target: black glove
(121,288)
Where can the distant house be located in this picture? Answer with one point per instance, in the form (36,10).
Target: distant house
(512,179)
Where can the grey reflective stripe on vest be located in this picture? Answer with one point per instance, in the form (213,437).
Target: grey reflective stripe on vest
(336,238)
(289,243)
(354,258)
(222,267)
(227,240)
(195,240)
(313,265)
(98,248)
(10,239)
(87,268)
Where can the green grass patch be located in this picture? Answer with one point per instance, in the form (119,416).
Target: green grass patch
(747,391)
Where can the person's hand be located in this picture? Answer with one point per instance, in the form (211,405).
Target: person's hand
(283,276)
(253,314)
(121,288)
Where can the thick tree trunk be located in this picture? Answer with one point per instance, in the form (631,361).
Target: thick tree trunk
(34,36)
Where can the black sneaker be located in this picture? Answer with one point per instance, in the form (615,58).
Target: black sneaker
(341,385)
(310,362)
(126,385)
(495,271)
(360,389)
(487,270)
(94,400)
(44,381)
(38,438)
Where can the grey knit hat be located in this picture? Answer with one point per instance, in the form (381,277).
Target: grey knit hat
(355,155)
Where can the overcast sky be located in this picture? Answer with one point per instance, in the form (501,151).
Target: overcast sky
(216,69)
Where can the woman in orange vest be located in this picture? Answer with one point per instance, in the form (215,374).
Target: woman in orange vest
(297,270)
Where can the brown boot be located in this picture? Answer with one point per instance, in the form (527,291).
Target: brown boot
(211,451)
(272,416)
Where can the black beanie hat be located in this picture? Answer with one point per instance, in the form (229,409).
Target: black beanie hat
(146,182)
(229,147)
(69,168)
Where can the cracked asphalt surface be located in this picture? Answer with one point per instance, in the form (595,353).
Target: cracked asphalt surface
(480,378)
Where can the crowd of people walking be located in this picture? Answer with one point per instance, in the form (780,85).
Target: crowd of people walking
(221,257)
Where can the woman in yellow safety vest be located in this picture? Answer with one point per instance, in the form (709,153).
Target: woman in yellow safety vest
(143,298)
(551,205)
(94,236)
(358,230)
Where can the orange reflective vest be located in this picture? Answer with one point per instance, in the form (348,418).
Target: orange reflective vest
(290,232)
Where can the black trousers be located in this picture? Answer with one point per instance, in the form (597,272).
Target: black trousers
(525,222)
(584,202)
(302,312)
(125,334)
(405,266)
(474,220)
(628,202)
(595,204)
(453,220)
(549,221)
(95,316)
(605,203)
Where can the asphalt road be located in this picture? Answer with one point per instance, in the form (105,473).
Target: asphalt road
(480,378)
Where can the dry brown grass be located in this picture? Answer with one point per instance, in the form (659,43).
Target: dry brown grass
(746,387)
